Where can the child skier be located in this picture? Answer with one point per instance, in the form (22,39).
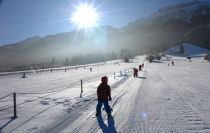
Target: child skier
(104,94)
(135,72)
(172,63)
(140,67)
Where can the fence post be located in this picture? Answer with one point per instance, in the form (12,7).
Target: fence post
(14,101)
(114,75)
(81,87)
(24,75)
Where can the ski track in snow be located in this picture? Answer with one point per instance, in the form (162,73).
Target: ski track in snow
(162,100)
(87,116)
(165,105)
(160,110)
(50,106)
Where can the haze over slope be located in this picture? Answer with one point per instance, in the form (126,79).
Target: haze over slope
(189,22)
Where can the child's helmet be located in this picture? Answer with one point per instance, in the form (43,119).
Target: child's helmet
(104,79)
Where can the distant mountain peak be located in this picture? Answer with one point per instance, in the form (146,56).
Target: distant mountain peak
(181,6)
(181,11)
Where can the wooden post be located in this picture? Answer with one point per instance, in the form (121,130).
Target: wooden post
(14,101)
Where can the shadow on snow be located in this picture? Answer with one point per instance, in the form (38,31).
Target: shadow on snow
(11,119)
(110,128)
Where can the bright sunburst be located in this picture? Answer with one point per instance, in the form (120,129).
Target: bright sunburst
(85,16)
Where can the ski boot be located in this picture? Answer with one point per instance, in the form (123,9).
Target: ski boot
(109,115)
(98,113)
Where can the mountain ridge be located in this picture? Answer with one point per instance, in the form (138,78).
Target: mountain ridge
(152,34)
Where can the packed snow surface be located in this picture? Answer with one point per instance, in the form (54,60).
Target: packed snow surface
(162,99)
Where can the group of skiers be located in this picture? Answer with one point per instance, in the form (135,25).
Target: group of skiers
(135,70)
(104,93)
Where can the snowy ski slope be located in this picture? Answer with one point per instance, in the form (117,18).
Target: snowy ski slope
(162,99)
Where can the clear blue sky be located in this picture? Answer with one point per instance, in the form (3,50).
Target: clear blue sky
(20,19)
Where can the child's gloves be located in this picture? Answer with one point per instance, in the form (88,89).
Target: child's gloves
(110,99)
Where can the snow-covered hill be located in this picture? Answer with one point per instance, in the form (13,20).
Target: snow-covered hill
(193,50)
(162,99)
(188,50)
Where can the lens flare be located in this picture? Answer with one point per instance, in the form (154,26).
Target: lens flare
(144,115)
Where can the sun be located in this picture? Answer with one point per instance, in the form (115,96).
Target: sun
(85,16)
